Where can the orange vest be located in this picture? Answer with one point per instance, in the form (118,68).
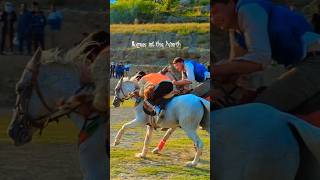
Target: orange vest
(155,78)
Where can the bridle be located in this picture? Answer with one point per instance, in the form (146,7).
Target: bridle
(119,89)
(22,104)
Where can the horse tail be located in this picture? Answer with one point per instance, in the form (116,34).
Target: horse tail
(205,122)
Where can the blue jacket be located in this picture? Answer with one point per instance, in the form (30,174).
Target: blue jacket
(55,20)
(24,24)
(199,70)
(285,28)
(38,22)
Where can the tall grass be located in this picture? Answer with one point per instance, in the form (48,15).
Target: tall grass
(180,28)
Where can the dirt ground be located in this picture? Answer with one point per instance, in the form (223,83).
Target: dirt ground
(38,162)
(50,156)
(169,165)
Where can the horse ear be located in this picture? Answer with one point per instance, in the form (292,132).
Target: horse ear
(35,60)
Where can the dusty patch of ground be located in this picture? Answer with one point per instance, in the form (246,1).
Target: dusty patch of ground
(50,156)
(169,165)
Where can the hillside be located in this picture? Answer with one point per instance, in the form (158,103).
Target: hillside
(193,39)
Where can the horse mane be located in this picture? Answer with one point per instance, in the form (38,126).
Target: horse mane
(53,56)
(126,79)
(73,56)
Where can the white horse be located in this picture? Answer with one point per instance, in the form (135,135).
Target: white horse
(178,113)
(41,87)
(257,142)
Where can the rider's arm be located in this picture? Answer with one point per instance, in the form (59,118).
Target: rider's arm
(190,76)
(182,82)
(253,22)
(235,49)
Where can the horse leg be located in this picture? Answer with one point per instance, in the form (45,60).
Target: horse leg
(146,142)
(120,133)
(163,141)
(192,134)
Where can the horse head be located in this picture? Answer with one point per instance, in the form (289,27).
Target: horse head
(123,90)
(38,91)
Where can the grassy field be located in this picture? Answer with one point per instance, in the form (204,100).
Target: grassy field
(51,155)
(180,28)
(169,165)
(63,132)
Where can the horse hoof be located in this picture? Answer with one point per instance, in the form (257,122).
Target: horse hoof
(156,151)
(140,155)
(191,164)
(116,143)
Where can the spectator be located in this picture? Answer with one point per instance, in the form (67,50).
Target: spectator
(8,18)
(54,20)
(112,69)
(127,68)
(38,24)
(24,28)
(119,70)
(316,20)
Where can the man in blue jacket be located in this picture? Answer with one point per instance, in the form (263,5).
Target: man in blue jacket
(191,72)
(38,24)
(54,21)
(262,32)
(24,28)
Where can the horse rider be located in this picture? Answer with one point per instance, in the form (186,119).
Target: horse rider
(192,72)
(262,32)
(155,88)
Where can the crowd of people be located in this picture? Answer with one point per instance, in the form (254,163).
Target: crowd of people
(24,28)
(118,70)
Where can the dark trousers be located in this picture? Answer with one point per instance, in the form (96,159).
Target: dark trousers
(38,40)
(25,40)
(164,88)
(6,36)
(112,73)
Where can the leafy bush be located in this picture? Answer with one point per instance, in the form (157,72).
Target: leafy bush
(204,2)
(127,11)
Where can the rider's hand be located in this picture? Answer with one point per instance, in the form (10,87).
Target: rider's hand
(174,82)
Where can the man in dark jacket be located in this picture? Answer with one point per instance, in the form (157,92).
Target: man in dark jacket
(8,18)
(38,24)
(24,28)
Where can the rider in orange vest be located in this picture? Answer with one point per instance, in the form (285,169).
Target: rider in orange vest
(153,88)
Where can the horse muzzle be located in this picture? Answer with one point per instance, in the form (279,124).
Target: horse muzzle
(18,131)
